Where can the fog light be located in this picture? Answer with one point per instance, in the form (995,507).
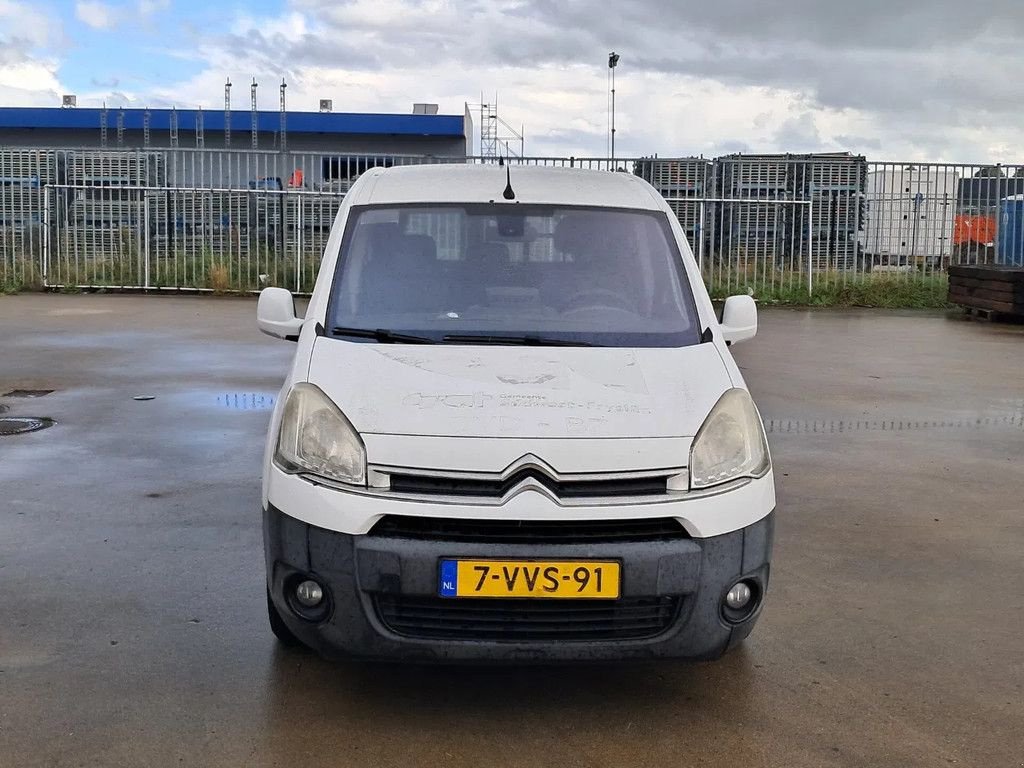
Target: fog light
(310,594)
(738,597)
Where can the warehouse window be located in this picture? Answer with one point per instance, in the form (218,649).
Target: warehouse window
(348,168)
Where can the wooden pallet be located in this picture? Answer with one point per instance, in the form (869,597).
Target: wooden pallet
(991,316)
(994,289)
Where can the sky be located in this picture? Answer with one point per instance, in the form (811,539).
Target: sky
(923,80)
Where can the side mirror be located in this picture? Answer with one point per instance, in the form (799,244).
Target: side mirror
(275,314)
(739,319)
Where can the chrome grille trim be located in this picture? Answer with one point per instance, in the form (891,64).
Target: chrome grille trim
(564,488)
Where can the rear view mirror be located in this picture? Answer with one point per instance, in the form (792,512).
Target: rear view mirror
(739,319)
(511,226)
(275,314)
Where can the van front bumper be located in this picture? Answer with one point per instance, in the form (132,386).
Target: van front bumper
(367,578)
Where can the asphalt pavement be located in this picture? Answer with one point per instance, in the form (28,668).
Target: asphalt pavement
(134,631)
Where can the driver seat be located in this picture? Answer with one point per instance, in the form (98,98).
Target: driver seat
(600,251)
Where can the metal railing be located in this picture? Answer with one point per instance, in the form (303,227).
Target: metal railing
(240,220)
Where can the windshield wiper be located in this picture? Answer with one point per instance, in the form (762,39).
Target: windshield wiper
(383,335)
(526,340)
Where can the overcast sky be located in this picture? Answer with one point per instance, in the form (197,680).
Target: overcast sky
(891,79)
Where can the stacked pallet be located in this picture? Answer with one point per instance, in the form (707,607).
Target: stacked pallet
(992,288)
(684,182)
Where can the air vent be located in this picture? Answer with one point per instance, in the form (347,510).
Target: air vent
(439,618)
(528,531)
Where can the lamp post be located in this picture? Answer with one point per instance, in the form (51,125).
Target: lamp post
(613,60)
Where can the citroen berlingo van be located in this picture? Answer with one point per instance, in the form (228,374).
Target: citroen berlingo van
(513,429)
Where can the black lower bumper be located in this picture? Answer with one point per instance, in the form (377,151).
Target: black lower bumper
(367,576)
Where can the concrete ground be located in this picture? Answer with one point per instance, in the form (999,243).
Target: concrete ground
(132,619)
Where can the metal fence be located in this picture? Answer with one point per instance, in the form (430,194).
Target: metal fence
(240,220)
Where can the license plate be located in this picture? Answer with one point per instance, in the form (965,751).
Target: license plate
(530,578)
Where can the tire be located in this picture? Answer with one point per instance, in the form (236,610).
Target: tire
(279,628)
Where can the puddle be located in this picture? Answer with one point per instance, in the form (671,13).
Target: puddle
(841,426)
(19,425)
(28,393)
(245,401)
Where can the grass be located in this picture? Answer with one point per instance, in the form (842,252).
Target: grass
(18,275)
(242,274)
(205,271)
(838,289)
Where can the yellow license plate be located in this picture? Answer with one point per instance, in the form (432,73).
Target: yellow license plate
(530,578)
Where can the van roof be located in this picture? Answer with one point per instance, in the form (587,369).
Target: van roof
(458,183)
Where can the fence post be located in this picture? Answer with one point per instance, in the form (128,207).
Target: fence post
(810,247)
(700,238)
(299,240)
(144,240)
(45,266)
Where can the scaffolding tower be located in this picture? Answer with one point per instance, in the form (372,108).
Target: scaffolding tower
(227,113)
(496,136)
(284,118)
(255,120)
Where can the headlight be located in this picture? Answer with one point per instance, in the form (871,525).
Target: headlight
(316,437)
(730,444)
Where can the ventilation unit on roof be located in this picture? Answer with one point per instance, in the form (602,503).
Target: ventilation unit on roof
(69,100)
(424,109)
(326,105)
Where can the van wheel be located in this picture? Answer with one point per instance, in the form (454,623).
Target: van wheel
(278,627)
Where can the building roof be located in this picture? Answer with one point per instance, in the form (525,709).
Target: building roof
(82,118)
(463,183)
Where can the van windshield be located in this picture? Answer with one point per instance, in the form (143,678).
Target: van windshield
(511,274)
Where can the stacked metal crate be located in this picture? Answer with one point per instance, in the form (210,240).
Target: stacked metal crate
(209,222)
(685,183)
(308,216)
(752,219)
(829,227)
(113,201)
(24,173)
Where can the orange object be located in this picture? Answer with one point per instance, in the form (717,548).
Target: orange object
(297,178)
(974,229)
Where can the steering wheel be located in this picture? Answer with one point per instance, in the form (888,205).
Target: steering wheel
(591,298)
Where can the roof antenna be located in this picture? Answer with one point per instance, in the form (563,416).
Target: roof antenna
(509,193)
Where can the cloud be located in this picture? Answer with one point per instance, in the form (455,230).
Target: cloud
(918,79)
(96,14)
(27,70)
(922,76)
(25,26)
(147,8)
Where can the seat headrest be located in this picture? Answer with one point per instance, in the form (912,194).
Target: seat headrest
(580,233)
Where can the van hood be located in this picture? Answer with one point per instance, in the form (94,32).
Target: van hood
(534,392)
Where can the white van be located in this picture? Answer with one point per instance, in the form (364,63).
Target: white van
(513,429)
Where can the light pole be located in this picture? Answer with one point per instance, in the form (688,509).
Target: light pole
(613,59)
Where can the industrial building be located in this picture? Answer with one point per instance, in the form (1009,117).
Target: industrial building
(193,181)
(423,133)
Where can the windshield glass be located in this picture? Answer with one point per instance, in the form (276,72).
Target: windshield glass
(507,274)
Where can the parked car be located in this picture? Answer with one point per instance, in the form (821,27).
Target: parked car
(513,429)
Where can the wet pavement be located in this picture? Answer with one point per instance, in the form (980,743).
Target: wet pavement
(131,573)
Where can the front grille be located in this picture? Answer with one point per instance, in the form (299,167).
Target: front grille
(424,485)
(438,618)
(528,531)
